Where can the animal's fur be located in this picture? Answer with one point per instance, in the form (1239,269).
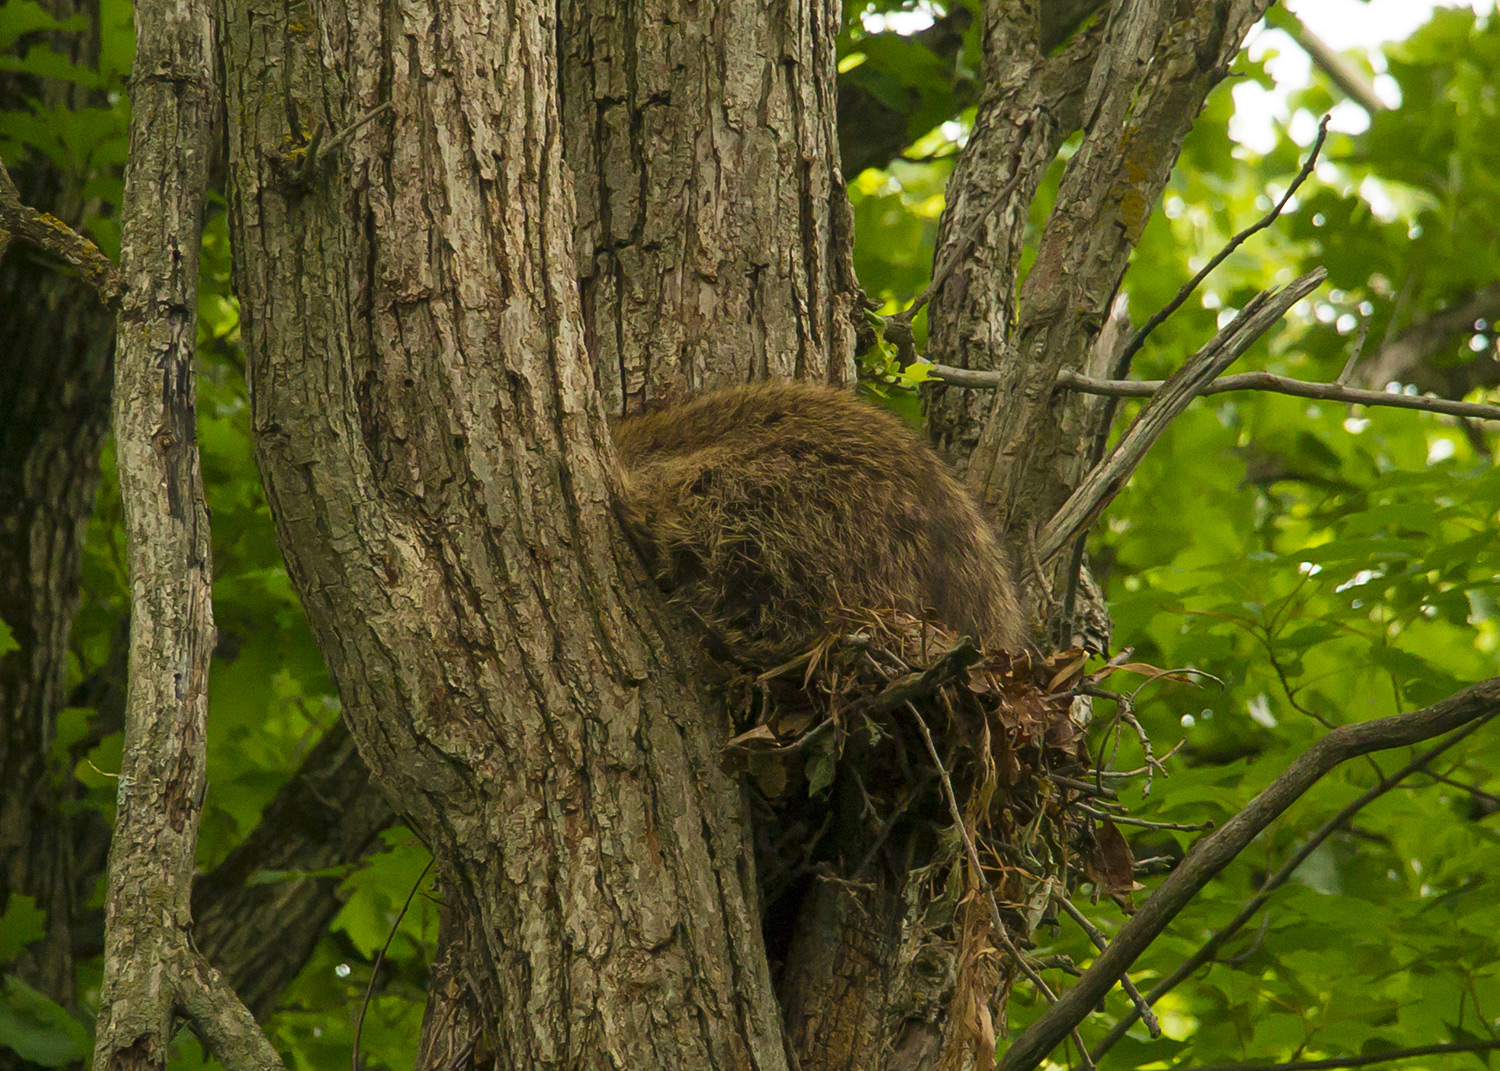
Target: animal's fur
(768,510)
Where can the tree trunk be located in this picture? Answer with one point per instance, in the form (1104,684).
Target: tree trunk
(57,339)
(713,236)
(714,247)
(437,462)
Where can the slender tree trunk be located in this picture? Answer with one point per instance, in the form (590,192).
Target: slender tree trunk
(1134,85)
(437,462)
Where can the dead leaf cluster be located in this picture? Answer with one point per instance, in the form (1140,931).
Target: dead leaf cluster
(840,745)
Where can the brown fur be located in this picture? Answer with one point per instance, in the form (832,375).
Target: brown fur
(768,509)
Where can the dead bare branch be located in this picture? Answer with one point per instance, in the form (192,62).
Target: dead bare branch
(1122,363)
(1142,1009)
(1107,479)
(1218,849)
(1210,948)
(52,235)
(1267,381)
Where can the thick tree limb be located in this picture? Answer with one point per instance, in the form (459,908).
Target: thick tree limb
(1108,479)
(1210,855)
(1029,107)
(151,972)
(438,464)
(1210,948)
(1155,65)
(51,234)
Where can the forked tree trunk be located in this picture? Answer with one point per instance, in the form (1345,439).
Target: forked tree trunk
(437,461)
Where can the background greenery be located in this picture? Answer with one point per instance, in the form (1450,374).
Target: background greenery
(1326,564)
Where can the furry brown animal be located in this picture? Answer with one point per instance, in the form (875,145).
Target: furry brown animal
(767,510)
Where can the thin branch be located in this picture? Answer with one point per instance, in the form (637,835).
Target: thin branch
(1142,1009)
(1297,388)
(220,1021)
(1351,81)
(1122,365)
(1126,820)
(1215,851)
(1107,479)
(1210,948)
(1334,1063)
(51,234)
(364,1006)
(1001,934)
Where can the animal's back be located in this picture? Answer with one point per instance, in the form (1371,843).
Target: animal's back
(768,509)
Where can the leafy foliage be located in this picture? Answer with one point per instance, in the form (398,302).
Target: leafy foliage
(1326,565)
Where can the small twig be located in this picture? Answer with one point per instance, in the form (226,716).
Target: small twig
(1125,711)
(1107,479)
(1260,936)
(1355,353)
(957,252)
(1121,775)
(1001,934)
(315,144)
(1489,799)
(1266,381)
(1124,820)
(51,234)
(338,140)
(1122,365)
(310,155)
(1141,1007)
(1214,852)
(359,1023)
(1083,787)
(946,669)
(1209,949)
(1335,1063)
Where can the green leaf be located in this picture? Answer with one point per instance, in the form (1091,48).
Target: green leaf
(39,1029)
(20,17)
(21,923)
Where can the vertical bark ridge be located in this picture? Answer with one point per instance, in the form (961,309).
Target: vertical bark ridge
(437,461)
(708,239)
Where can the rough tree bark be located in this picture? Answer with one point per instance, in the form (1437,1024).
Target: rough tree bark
(713,234)
(436,457)
(57,339)
(1133,84)
(152,973)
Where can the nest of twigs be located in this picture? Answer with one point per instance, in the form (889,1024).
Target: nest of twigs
(894,750)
